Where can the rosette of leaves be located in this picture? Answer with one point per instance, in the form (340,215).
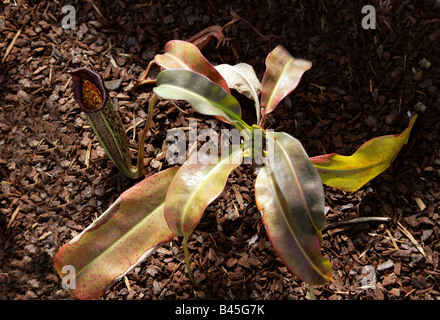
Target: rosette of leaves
(289,190)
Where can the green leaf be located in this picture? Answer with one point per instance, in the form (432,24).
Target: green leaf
(290,197)
(204,95)
(350,173)
(197,183)
(121,238)
(282,76)
(184,55)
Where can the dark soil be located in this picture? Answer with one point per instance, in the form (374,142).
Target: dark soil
(56,179)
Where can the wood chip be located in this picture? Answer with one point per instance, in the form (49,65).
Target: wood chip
(386,265)
(127,283)
(45,235)
(420,203)
(238,196)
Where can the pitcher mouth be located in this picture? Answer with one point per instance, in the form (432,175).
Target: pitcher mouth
(89,90)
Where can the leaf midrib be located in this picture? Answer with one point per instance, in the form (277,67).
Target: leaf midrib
(277,83)
(195,192)
(119,239)
(275,186)
(231,115)
(298,184)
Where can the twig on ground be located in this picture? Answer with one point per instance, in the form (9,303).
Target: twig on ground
(11,45)
(392,239)
(356,220)
(14,215)
(411,238)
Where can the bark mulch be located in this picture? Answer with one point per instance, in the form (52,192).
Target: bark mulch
(56,179)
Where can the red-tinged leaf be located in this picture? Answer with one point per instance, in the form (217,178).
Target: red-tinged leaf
(184,55)
(350,173)
(197,183)
(299,251)
(201,39)
(299,181)
(290,197)
(121,238)
(282,76)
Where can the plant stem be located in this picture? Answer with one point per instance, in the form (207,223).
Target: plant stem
(244,128)
(150,112)
(262,121)
(188,265)
(140,161)
(312,292)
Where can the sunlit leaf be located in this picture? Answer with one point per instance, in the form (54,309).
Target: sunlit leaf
(204,95)
(197,183)
(282,76)
(350,173)
(290,197)
(242,77)
(121,238)
(184,55)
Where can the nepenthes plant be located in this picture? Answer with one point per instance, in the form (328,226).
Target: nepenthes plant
(289,191)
